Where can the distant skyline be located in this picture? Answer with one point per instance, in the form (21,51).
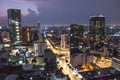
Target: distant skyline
(61,11)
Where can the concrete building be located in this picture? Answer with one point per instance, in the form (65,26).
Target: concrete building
(81,59)
(39,48)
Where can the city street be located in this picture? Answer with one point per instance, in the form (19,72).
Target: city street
(62,62)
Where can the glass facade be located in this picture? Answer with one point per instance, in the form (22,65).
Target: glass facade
(97,30)
(76,38)
(14,21)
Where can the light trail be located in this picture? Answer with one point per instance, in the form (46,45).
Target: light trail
(62,62)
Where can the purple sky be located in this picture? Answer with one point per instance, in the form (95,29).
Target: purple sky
(61,11)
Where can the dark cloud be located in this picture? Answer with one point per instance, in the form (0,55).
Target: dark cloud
(32,18)
(79,11)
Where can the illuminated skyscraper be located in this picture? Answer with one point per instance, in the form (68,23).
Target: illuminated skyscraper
(26,34)
(97,29)
(76,38)
(14,22)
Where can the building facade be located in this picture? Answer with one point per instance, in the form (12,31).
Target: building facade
(63,42)
(76,38)
(97,29)
(37,36)
(39,48)
(14,22)
(26,34)
(81,59)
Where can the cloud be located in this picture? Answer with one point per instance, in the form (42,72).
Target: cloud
(32,18)
(41,3)
(64,11)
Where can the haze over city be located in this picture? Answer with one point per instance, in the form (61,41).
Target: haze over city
(61,11)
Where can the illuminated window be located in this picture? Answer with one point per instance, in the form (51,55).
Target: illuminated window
(16,23)
(17,29)
(18,33)
(18,36)
(98,25)
(13,21)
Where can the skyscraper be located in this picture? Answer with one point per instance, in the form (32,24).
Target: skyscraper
(14,22)
(26,34)
(76,38)
(97,30)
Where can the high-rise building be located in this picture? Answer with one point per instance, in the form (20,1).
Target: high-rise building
(36,36)
(14,22)
(97,29)
(26,34)
(63,42)
(76,38)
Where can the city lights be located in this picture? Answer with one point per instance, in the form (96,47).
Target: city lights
(62,42)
